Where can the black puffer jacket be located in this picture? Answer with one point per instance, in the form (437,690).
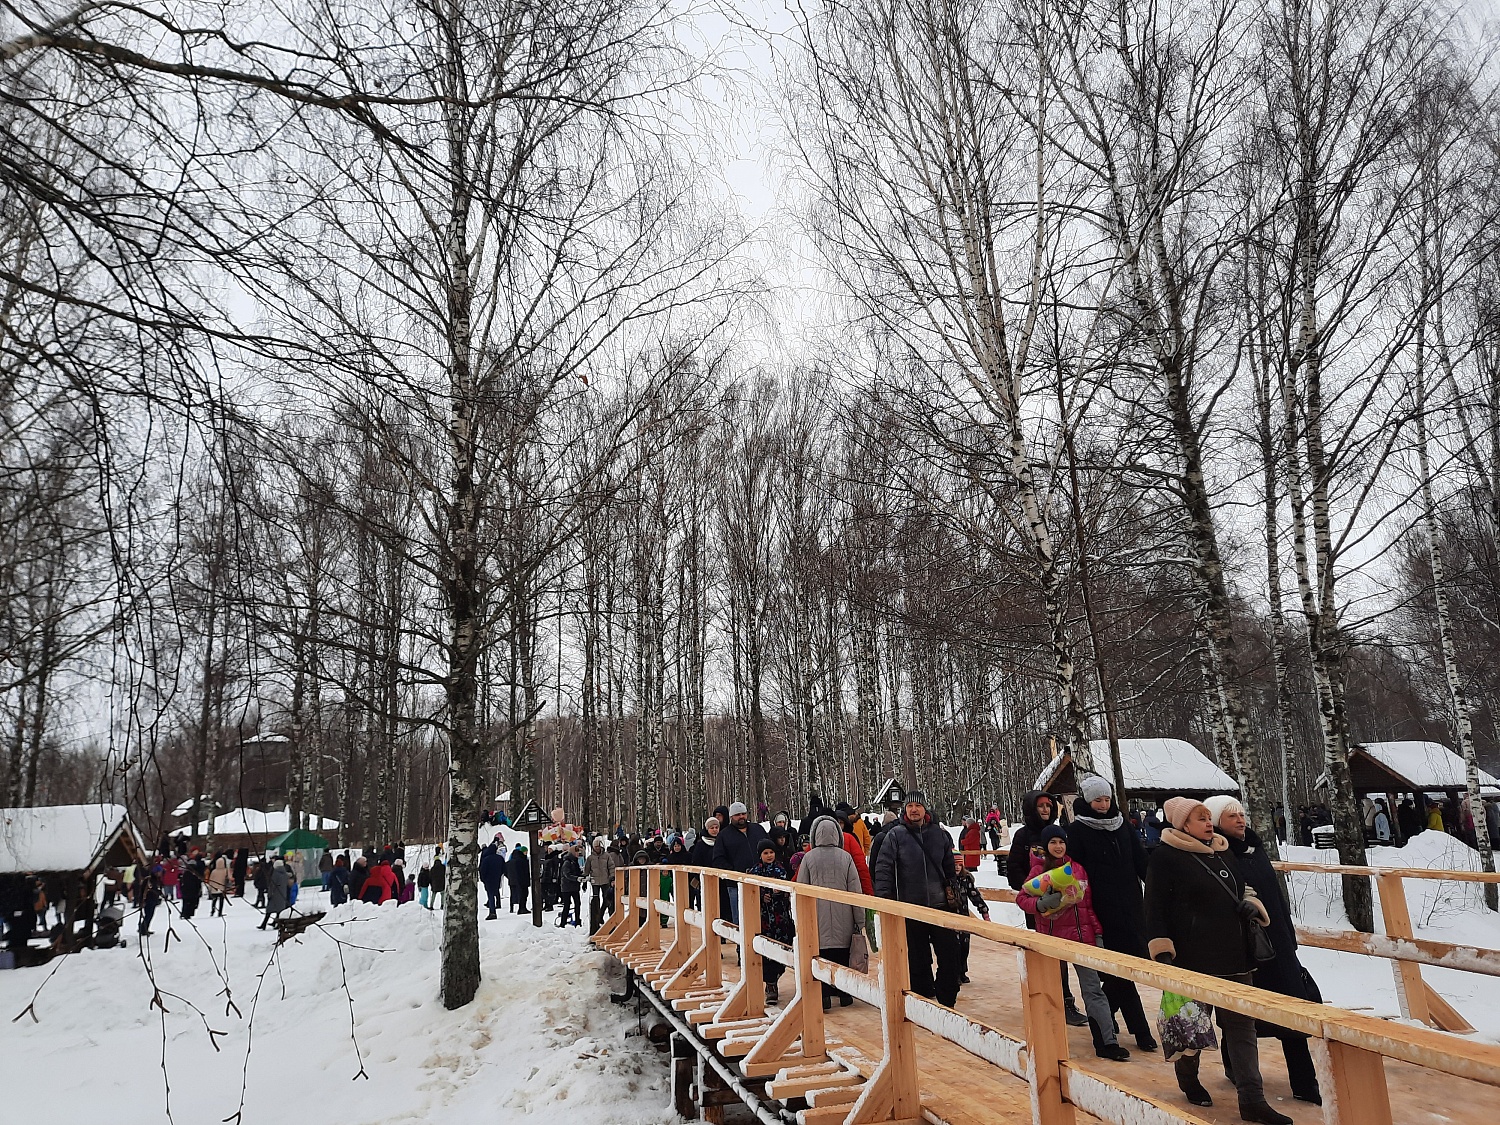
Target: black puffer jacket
(1189,914)
(1116,863)
(738,849)
(1024,838)
(913,865)
(1285,974)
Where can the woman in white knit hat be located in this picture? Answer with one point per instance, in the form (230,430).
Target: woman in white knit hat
(1285,974)
(1197,905)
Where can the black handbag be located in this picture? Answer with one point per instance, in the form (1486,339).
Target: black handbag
(1258,945)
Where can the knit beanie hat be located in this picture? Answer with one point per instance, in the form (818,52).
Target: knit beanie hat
(737,808)
(1092,787)
(1177,809)
(1052,832)
(915,797)
(1218,806)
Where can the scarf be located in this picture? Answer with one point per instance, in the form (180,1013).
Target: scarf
(1102,823)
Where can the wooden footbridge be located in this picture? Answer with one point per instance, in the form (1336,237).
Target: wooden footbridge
(1005,1054)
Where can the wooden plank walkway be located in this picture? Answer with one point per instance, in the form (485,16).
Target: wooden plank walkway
(872,1062)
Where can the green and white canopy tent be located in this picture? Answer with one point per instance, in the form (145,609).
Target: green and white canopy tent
(304,849)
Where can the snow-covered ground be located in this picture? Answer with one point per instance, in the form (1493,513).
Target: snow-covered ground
(540,1042)
(360,996)
(1440,910)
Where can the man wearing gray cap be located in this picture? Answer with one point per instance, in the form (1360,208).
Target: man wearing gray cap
(915,865)
(738,848)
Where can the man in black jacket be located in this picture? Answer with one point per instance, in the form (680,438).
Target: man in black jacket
(1285,974)
(1112,854)
(1038,810)
(518,875)
(915,865)
(491,873)
(738,849)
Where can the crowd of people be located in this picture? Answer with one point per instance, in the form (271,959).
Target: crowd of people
(1188,884)
(1192,892)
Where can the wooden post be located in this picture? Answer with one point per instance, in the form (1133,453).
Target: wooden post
(809,988)
(650,880)
(713,944)
(605,934)
(750,960)
(894,1092)
(1410,990)
(1046,1037)
(536,878)
(1353,1084)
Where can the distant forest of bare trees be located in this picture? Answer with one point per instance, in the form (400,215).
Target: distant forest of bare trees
(390,379)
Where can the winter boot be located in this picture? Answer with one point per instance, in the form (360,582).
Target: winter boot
(1196,1094)
(1112,1051)
(1260,1113)
(773,992)
(1145,1042)
(1074,1017)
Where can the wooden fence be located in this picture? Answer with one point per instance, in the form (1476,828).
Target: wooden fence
(792,1055)
(1406,952)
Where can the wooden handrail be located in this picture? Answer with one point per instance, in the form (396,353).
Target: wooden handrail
(1439,873)
(1443,874)
(1351,1042)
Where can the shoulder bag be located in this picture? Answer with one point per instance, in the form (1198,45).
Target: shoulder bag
(1258,945)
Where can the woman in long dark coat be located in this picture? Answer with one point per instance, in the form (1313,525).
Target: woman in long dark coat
(1197,907)
(1112,854)
(1285,974)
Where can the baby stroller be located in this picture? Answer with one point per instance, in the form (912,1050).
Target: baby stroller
(107,928)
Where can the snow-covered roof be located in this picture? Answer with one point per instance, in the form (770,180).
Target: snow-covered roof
(60,837)
(1151,763)
(253,822)
(1425,765)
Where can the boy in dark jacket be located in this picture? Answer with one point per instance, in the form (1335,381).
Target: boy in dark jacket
(570,883)
(1068,912)
(775,915)
(915,864)
(1038,810)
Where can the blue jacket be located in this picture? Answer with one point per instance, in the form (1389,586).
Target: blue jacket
(491,866)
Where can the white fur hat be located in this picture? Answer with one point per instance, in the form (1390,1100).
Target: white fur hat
(1218,806)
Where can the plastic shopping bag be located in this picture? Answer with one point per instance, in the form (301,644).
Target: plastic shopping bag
(1185,1025)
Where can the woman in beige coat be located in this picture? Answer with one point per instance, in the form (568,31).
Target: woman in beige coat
(827,864)
(217,882)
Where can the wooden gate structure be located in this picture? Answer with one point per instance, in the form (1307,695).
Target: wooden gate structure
(788,1067)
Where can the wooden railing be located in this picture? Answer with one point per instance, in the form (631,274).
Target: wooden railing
(794,1051)
(1399,945)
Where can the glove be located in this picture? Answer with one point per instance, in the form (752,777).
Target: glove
(1049,902)
(1099,941)
(1165,958)
(986,915)
(1249,910)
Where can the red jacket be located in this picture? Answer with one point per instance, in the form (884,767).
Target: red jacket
(851,845)
(1077,922)
(384,878)
(971,843)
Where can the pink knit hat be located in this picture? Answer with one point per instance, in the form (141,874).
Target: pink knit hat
(1177,810)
